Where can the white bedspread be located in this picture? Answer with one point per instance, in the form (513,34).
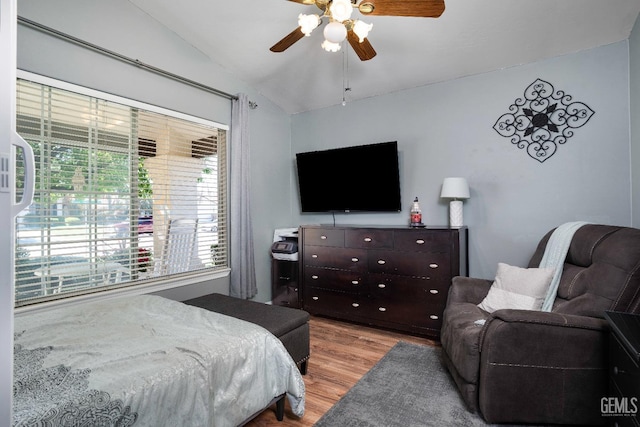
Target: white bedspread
(146,361)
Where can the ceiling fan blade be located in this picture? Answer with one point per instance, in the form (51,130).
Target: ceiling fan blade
(288,40)
(418,8)
(304,1)
(364,50)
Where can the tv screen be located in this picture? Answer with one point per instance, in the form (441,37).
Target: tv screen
(363,178)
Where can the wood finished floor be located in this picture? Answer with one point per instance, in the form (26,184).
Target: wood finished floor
(341,353)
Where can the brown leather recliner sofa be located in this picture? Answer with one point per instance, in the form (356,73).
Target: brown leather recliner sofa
(526,366)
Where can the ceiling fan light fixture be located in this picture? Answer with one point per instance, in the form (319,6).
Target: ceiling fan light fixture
(308,23)
(335,32)
(341,10)
(362,30)
(330,46)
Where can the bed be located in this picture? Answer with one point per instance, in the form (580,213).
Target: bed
(146,361)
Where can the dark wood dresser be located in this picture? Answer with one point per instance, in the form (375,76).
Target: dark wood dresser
(624,372)
(390,277)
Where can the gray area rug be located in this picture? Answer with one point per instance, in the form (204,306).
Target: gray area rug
(408,387)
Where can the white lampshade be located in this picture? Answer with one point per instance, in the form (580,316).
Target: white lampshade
(335,32)
(455,188)
(362,29)
(341,10)
(308,23)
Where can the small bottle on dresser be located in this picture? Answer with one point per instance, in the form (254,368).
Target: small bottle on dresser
(416,214)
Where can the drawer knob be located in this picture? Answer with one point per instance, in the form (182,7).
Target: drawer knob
(323,237)
(382,285)
(354,259)
(315,298)
(355,304)
(354,282)
(314,277)
(314,256)
(382,309)
(382,262)
(420,242)
(433,291)
(433,317)
(368,239)
(433,265)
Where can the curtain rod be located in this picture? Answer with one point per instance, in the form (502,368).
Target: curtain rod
(126,59)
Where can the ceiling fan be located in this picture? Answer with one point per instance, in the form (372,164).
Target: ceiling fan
(341,26)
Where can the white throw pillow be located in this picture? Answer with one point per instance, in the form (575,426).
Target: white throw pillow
(517,288)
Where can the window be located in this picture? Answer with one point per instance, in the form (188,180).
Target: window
(125,193)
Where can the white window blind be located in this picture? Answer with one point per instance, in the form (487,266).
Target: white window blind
(123,194)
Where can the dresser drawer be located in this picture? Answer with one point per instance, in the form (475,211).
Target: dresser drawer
(334,303)
(338,280)
(422,315)
(369,238)
(626,419)
(624,371)
(422,241)
(324,237)
(413,264)
(400,288)
(336,258)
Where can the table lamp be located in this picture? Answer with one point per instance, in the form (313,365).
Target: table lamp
(455,189)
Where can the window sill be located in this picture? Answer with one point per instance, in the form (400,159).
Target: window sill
(151,286)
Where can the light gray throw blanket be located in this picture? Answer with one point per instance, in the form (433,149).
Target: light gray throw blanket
(554,256)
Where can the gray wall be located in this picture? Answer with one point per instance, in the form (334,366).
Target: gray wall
(634,98)
(119,26)
(446,130)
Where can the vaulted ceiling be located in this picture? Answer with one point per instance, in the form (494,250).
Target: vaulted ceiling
(471,37)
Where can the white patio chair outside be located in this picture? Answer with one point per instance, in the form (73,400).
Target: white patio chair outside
(179,246)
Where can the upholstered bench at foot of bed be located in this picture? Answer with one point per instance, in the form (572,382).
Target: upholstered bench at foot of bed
(290,325)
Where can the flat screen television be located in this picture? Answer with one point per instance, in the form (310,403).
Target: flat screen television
(363,178)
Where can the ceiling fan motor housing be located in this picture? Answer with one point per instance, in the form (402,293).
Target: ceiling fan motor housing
(366,7)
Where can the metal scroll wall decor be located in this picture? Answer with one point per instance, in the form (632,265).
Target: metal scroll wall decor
(543,120)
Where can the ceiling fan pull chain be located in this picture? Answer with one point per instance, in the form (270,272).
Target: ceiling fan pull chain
(345,76)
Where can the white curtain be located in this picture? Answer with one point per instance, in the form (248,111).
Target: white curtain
(243,272)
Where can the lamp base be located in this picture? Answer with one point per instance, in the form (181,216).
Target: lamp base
(455,213)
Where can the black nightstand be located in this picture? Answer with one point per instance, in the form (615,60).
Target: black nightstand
(623,404)
(284,283)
